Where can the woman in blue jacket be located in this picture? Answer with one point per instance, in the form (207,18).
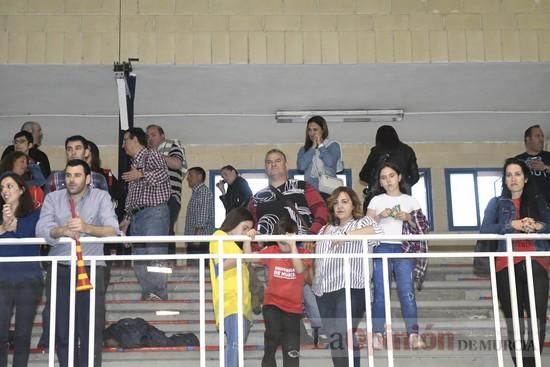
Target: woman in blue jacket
(20,283)
(520,209)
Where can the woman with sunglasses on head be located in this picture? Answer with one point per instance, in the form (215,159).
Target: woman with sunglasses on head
(520,209)
(20,282)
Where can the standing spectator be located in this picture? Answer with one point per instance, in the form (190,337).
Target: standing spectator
(238,222)
(397,213)
(537,159)
(200,211)
(520,209)
(38,156)
(238,192)
(294,199)
(147,209)
(18,162)
(95,217)
(21,283)
(174,155)
(284,298)
(319,155)
(345,217)
(76,147)
(389,148)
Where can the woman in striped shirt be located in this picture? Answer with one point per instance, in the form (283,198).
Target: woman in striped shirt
(345,217)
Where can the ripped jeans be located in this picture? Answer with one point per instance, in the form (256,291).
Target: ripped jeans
(231,327)
(281,328)
(402,270)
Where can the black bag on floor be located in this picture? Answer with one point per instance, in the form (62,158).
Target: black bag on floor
(184,340)
(481,264)
(135,333)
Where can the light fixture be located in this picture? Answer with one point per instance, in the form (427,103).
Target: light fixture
(342,115)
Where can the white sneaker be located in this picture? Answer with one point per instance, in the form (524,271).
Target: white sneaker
(377,341)
(415,342)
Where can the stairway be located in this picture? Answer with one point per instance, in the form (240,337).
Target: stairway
(455,317)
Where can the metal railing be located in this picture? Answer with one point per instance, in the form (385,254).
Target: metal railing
(367,255)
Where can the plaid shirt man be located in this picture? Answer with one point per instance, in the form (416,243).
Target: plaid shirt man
(200,211)
(154,188)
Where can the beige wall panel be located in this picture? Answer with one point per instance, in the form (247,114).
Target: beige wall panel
(238,42)
(46,6)
(265,6)
(373,6)
(54,48)
(246,23)
(257,48)
(463,21)
(336,6)
(319,22)
(36,47)
(356,23)
(493,46)
(408,6)
(544,5)
(147,48)
(12,6)
(330,52)
(456,41)
(91,48)
(156,6)
(171,23)
(184,48)
(402,46)
(426,22)
(228,6)
(24,23)
(3,23)
(312,48)
(500,21)
(444,6)
(100,23)
(202,48)
(384,46)
(366,47)
(391,22)
(109,47)
(282,23)
(348,48)
(3,47)
(438,46)
(301,6)
(294,48)
(534,21)
(166,48)
(63,23)
(544,46)
(420,46)
(510,45)
(210,23)
(129,45)
(275,47)
(220,48)
(72,48)
(474,46)
(138,23)
(529,45)
(192,6)
(92,6)
(517,6)
(481,6)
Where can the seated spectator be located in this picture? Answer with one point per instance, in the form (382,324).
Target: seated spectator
(21,282)
(34,180)
(238,191)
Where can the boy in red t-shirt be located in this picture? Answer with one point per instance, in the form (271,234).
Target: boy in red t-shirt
(283,298)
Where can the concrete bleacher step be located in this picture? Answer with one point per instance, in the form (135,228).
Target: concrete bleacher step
(454,300)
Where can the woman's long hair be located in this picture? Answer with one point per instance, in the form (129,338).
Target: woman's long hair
(357,211)
(7,163)
(95,160)
(530,196)
(378,189)
(319,120)
(234,217)
(26,204)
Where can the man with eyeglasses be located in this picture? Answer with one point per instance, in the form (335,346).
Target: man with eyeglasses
(38,156)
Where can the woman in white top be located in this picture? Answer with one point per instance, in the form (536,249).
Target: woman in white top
(391,209)
(345,217)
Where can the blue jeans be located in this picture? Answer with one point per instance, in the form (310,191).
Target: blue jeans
(153,221)
(174,209)
(402,269)
(311,309)
(230,324)
(21,296)
(332,307)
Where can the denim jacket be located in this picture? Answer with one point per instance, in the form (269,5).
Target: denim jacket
(498,218)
